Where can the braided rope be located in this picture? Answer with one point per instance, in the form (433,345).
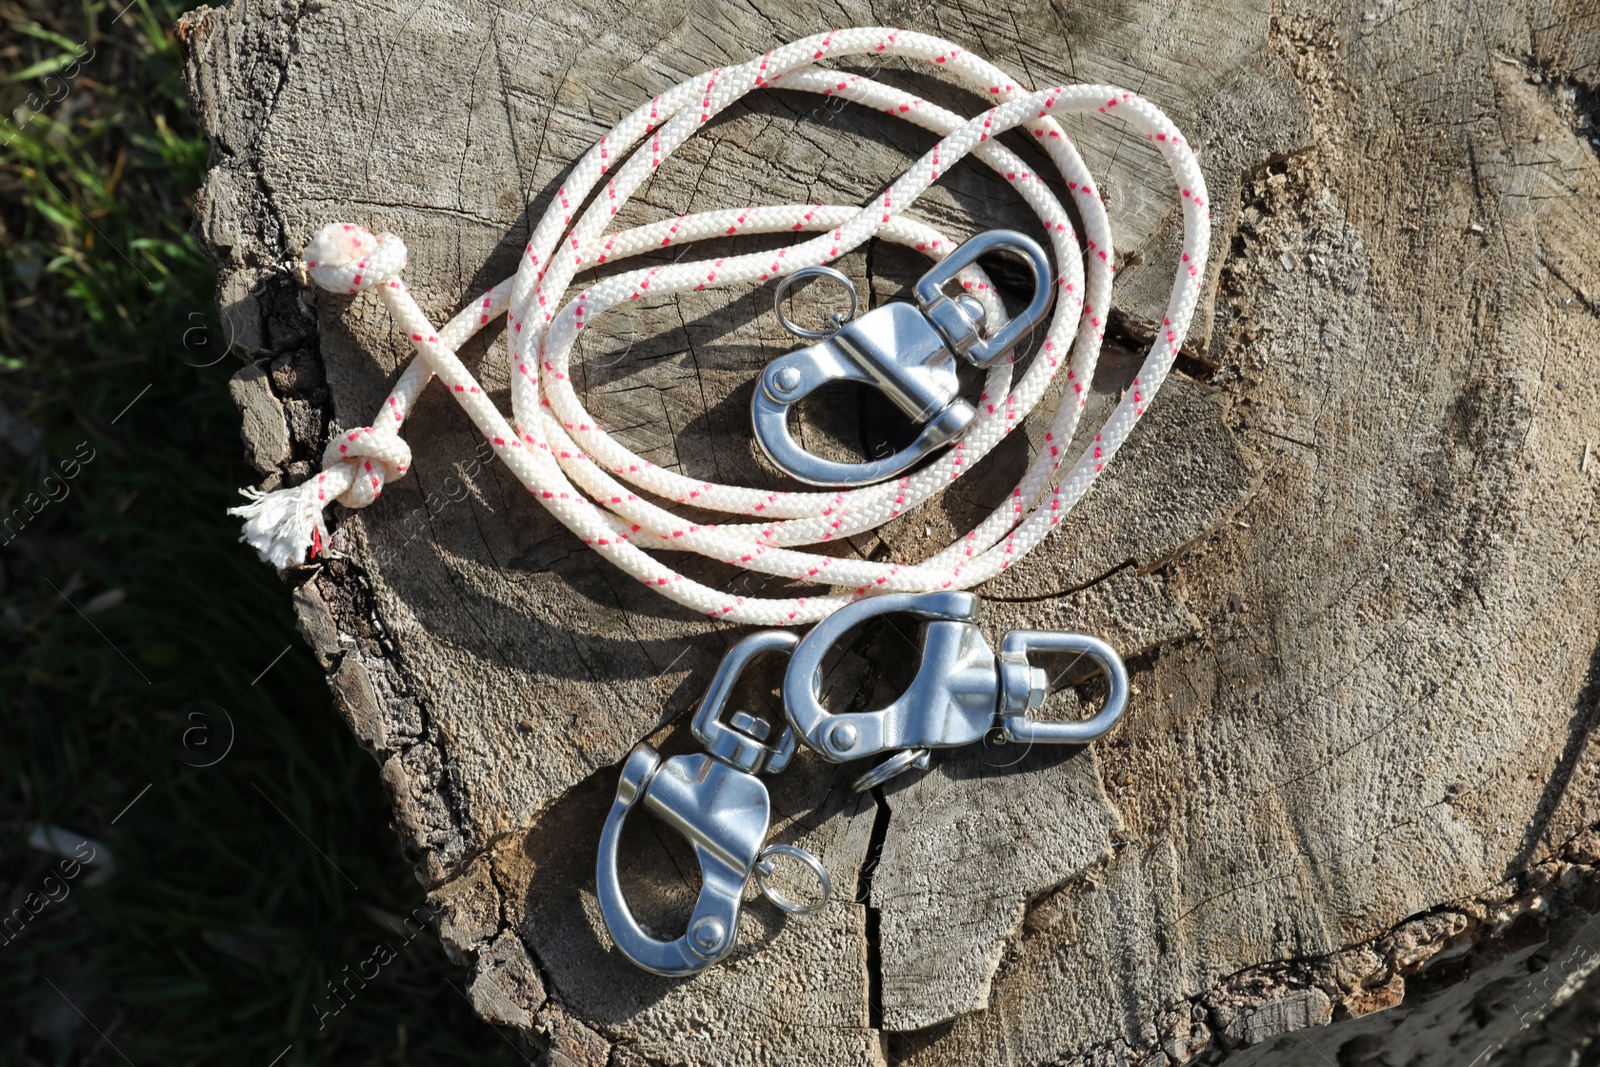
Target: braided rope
(597,487)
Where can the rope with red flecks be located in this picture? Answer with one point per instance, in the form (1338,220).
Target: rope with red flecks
(598,488)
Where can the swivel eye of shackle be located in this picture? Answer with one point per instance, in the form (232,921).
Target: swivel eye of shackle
(962,689)
(717,802)
(905,351)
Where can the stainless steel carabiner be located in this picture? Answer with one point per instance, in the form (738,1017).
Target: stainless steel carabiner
(717,802)
(906,352)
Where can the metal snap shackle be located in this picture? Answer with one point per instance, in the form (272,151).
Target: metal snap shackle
(717,802)
(905,351)
(961,690)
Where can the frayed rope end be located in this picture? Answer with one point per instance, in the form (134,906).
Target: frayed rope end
(282,524)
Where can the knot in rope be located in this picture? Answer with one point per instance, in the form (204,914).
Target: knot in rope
(374,456)
(345,258)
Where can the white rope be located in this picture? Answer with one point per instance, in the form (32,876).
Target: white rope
(600,489)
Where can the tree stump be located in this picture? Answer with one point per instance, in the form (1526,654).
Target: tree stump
(1350,554)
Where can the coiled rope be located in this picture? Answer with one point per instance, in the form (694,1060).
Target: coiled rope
(599,489)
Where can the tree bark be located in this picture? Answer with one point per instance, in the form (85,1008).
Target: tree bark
(1350,554)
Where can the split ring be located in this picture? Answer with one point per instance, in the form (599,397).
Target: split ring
(785,284)
(763,868)
(893,767)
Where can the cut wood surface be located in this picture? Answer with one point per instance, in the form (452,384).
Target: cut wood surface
(1350,554)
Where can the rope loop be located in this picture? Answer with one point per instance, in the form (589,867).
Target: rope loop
(621,503)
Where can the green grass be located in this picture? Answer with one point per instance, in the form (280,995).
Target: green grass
(130,614)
